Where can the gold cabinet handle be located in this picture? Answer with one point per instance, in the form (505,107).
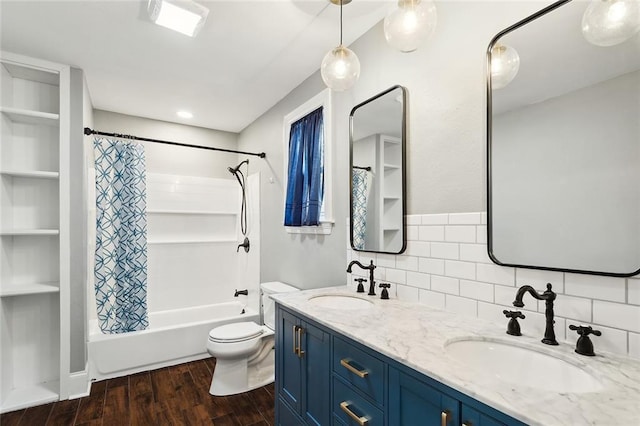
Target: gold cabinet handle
(295,340)
(360,373)
(467,424)
(360,420)
(300,351)
(444,418)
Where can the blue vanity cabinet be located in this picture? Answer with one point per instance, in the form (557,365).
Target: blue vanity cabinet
(303,371)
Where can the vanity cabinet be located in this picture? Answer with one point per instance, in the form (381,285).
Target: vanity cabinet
(303,355)
(324,378)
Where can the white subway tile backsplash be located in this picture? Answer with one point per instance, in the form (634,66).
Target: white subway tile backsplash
(413,219)
(633,291)
(386,260)
(418,248)
(573,308)
(445,284)
(418,279)
(506,295)
(496,274)
(431,266)
(618,315)
(476,290)
(465,218)
(460,234)
(435,219)
(595,287)
(445,250)
(456,269)
(461,305)
(481,234)
(538,279)
(474,253)
(396,276)
(493,313)
(413,233)
(431,299)
(407,263)
(634,345)
(406,293)
(483,218)
(431,233)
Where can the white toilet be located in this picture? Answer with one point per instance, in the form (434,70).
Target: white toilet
(244,351)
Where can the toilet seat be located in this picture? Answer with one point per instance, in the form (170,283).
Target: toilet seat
(236,332)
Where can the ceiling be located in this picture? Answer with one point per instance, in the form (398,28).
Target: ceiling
(248,55)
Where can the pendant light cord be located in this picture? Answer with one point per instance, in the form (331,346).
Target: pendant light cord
(341,22)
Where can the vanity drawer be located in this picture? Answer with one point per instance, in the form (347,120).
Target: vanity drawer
(360,369)
(347,400)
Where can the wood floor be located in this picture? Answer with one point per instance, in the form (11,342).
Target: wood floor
(176,395)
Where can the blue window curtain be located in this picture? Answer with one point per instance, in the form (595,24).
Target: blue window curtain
(305,182)
(121,236)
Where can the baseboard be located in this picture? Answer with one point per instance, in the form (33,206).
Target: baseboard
(79,384)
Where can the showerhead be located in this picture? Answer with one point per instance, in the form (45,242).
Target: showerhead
(234,170)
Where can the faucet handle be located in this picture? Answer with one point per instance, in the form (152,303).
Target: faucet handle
(513,314)
(360,286)
(584,346)
(385,293)
(513,328)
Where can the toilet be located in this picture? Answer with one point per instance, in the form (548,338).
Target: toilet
(244,351)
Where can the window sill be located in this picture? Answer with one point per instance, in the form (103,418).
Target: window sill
(323,229)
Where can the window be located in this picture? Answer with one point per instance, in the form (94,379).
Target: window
(307,150)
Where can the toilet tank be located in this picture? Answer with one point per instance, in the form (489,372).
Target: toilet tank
(268,305)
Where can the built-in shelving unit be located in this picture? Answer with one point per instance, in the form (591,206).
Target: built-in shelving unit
(390,192)
(34,274)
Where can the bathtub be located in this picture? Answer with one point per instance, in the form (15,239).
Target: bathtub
(173,337)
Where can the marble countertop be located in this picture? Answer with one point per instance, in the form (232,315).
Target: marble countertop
(416,336)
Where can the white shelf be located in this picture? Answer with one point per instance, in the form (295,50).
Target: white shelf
(38,174)
(194,241)
(18,232)
(30,396)
(391,198)
(30,117)
(27,289)
(391,167)
(191,212)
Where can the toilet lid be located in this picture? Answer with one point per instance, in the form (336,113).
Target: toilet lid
(236,332)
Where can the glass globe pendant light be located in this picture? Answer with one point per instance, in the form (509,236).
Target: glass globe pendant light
(340,67)
(610,22)
(410,24)
(505,64)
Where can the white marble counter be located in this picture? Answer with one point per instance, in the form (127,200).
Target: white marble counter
(416,335)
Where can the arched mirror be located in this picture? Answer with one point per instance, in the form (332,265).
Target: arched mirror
(377,178)
(564,142)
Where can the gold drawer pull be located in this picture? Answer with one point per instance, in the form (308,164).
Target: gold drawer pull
(295,339)
(444,418)
(361,420)
(360,373)
(300,351)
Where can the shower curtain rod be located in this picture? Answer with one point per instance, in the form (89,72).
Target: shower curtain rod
(88,131)
(368,168)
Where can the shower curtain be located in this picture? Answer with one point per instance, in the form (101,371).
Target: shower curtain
(360,193)
(121,236)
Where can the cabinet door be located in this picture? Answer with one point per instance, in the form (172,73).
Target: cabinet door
(481,415)
(415,403)
(317,375)
(288,363)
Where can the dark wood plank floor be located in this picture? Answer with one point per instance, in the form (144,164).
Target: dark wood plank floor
(177,395)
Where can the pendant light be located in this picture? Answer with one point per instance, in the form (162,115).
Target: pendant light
(410,24)
(340,67)
(505,64)
(610,22)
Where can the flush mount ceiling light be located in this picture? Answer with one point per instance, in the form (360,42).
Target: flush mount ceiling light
(610,22)
(184,114)
(340,67)
(505,63)
(410,24)
(183,16)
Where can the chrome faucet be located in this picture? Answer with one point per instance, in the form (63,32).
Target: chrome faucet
(371,267)
(549,297)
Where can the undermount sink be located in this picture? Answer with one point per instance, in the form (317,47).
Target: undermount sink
(523,366)
(340,301)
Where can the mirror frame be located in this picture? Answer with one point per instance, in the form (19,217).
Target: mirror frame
(493,41)
(405,98)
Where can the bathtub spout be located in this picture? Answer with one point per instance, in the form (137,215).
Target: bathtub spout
(239,292)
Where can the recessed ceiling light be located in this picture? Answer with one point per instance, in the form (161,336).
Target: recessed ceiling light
(183,16)
(184,114)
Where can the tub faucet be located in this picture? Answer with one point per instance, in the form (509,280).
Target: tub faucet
(371,267)
(239,292)
(549,297)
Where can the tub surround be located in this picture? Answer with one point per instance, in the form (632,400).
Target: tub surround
(416,335)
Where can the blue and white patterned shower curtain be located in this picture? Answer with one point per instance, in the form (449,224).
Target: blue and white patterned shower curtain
(121,236)
(360,193)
